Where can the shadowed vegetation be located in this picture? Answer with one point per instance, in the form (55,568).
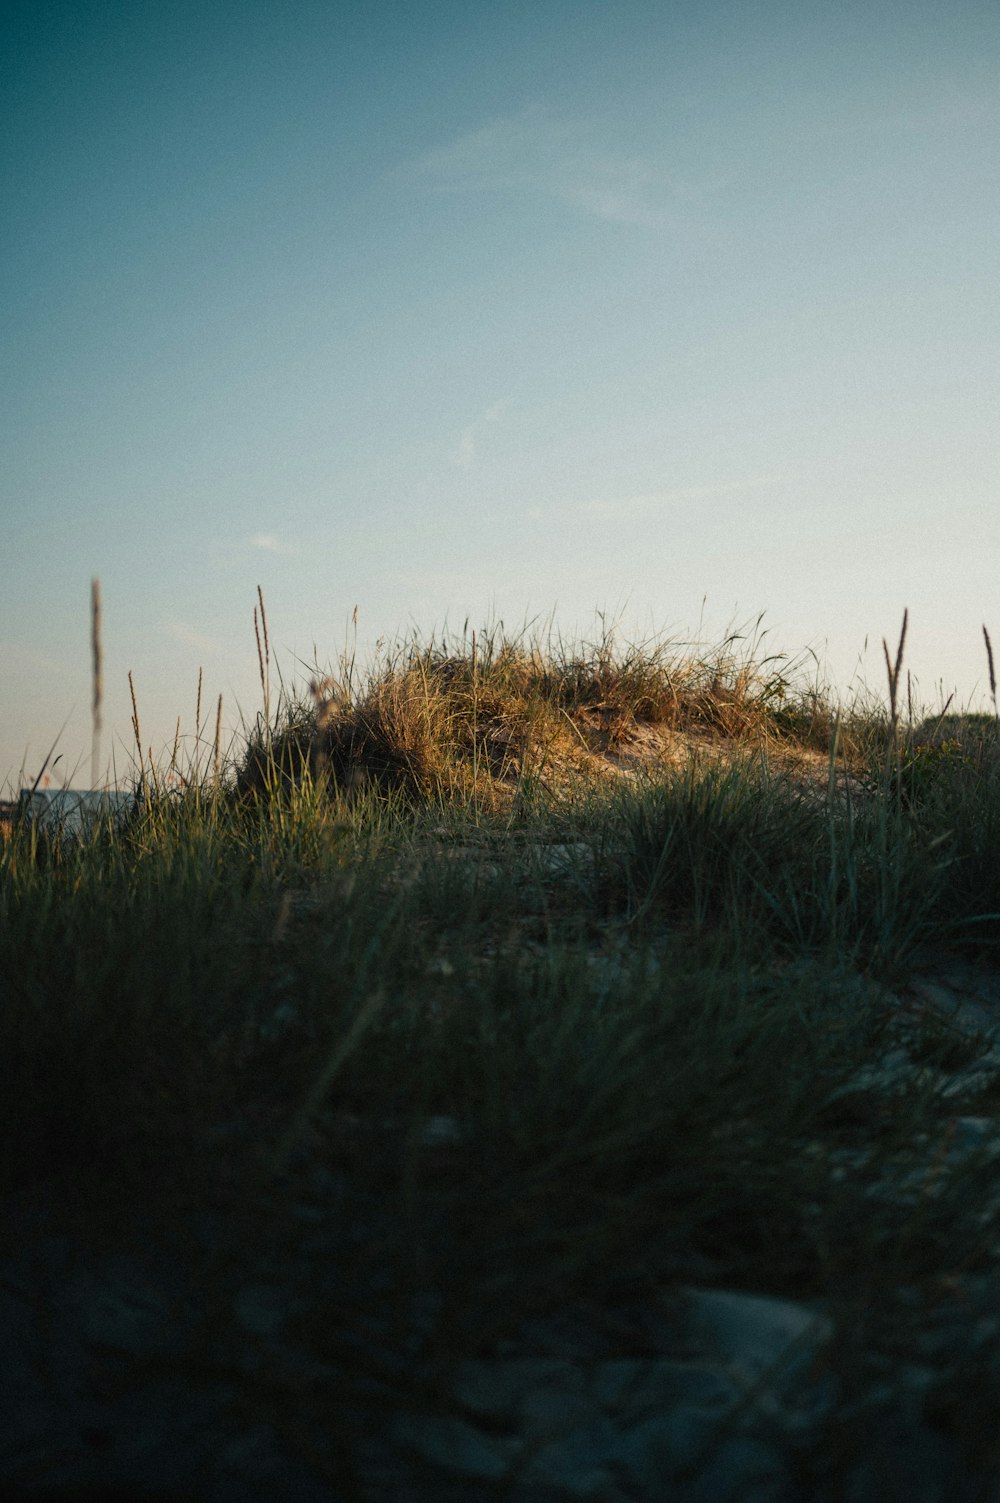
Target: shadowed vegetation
(564,963)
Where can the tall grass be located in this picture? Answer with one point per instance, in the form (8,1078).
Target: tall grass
(638,1004)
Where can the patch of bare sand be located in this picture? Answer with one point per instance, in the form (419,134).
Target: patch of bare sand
(599,754)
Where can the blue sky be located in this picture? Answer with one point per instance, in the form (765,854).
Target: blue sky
(682,313)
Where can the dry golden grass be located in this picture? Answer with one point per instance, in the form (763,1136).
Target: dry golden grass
(483,722)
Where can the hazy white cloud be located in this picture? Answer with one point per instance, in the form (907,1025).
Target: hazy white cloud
(182,632)
(464,453)
(644,504)
(268,543)
(513,152)
(617,204)
(532,152)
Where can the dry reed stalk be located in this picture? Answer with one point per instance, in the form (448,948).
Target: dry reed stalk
(260,652)
(263,622)
(267,657)
(135,716)
(195,771)
(218,740)
(98,659)
(993,677)
(325,696)
(137,733)
(894,672)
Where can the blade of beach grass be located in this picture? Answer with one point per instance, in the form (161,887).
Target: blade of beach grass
(41,773)
(317,1092)
(266,666)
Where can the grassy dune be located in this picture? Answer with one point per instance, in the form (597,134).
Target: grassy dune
(565,959)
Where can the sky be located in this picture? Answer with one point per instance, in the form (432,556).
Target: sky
(675,313)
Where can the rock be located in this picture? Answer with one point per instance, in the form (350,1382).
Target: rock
(124,1379)
(496,1390)
(769,1344)
(452,1444)
(741,1470)
(582,1463)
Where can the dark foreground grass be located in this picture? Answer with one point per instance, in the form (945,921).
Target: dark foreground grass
(549,1047)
